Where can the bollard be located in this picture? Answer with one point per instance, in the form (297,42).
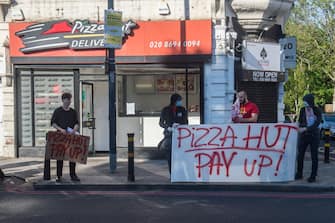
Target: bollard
(46,173)
(2,175)
(327,145)
(131,176)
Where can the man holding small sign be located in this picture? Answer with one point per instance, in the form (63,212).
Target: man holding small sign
(65,120)
(244,111)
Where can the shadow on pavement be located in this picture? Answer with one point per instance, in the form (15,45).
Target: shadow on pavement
(21,164)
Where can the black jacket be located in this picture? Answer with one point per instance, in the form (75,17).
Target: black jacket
(168,117)
(303,122)
(65,119)
(314,129)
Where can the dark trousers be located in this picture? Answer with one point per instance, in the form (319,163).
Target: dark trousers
(313,142)
(60,168)
(166,145)
(168,158)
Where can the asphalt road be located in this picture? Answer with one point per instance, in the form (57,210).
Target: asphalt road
(164,206)
(22,204)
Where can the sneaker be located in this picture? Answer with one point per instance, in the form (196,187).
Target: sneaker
(311,179)
(59,179)
(298,176)
(75,178)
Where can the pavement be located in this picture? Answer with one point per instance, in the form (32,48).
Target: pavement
(150,174)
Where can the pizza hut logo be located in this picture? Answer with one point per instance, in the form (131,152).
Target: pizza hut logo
(79,35)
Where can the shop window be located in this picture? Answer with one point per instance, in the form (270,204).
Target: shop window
(47,97)
(39,96)
(146,95)
(26,112)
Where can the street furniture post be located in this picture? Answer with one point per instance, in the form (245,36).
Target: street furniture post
(2,175)
(46,174)
(326,145)
(112,40)
(131,176)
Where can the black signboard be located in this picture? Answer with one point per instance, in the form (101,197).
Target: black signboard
(263,76)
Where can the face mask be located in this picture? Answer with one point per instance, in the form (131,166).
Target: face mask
(306,104)
(179,103)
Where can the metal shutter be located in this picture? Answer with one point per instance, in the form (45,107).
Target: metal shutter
(265,96)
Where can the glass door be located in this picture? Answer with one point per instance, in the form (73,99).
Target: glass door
(87,113)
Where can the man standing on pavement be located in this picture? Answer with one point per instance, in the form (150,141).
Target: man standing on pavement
(172,114)
(65,120)
(309,121)
(244,111)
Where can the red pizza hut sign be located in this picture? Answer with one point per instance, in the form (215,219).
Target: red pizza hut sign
(67,147)
(79,35)
(83,41)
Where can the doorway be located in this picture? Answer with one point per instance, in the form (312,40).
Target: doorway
(87,113)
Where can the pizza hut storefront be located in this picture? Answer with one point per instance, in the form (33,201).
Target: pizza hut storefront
(159,59)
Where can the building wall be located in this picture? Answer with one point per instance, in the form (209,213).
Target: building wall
(7,98)
(179,10)
(259,15)
(8,149)
(220,71)
(1,117)
(219,75)
(37,10)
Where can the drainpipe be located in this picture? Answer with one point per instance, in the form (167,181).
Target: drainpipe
(2,14)
(112,105)
(187,9)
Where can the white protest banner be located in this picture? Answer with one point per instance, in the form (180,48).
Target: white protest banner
(234,153)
